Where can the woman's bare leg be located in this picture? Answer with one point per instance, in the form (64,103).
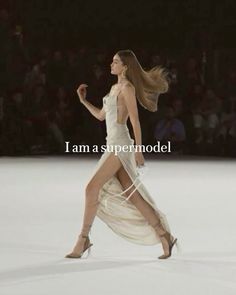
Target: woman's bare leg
(104,173)
(145,209)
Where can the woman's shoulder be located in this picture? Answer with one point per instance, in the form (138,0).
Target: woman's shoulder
(127,85)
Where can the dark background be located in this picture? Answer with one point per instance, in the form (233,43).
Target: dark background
(47,48)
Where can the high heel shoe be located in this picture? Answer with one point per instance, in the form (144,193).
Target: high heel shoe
(167,235)
(170,240)
(87,246)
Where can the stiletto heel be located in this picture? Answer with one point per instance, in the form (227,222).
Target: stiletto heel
(89,251)
(167,236)
(87,246)
(171,244)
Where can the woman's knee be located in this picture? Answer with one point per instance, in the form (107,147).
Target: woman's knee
(91,190)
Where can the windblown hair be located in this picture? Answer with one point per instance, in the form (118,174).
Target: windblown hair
(148,84)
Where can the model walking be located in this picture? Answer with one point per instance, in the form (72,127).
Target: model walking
(115,193)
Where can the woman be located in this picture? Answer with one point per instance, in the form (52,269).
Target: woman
(130,211)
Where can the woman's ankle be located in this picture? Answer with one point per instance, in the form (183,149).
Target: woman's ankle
(83,236)
(85,230)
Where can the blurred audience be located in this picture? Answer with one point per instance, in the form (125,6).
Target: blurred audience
(171,129)
(40,110)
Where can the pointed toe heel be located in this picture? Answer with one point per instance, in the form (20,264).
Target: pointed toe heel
(171,245)
(87,247)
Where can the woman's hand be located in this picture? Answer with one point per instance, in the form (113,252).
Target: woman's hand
(139,159)
(82,92)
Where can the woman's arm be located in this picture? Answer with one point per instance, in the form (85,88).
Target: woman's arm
(96,112)
(128,92)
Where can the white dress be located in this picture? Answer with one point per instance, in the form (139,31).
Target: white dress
(115,209)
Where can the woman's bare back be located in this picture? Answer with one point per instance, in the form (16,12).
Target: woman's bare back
(122,112)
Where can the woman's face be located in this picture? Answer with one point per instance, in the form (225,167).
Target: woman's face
(117,66)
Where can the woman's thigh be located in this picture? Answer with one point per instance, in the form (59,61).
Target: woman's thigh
(136,198)
(126,182)
(108,169)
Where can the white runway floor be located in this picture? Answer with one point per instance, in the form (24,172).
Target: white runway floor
(41,214)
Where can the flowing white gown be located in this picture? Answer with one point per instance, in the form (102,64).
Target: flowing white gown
(115,209)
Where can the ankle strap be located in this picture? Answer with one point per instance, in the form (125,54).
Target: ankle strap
(83,236)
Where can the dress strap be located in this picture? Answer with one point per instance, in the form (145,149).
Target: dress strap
(139,177)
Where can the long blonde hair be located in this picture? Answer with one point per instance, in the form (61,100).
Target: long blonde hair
(148,84)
